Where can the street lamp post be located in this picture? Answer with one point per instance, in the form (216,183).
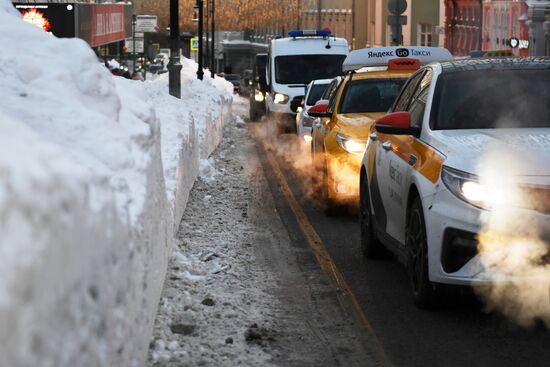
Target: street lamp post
(206,29)
(213,42)
(200,72)
(174,66)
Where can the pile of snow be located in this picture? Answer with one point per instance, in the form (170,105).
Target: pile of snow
(205,109)
(85,220)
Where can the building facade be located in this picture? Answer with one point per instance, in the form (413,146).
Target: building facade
(334,14)
(503,20)
(538,21)
(463,20)
(424,24)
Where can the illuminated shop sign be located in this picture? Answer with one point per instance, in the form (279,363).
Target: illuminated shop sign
(98,24)
(56,19)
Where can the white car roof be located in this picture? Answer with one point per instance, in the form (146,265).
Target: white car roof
(309,46)
(321,81)
(379,56)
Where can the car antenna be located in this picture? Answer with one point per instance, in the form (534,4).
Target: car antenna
(328,46)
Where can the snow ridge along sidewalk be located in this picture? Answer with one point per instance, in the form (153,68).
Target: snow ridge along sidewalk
(94,172)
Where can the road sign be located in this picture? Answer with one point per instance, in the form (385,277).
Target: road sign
(146,23)
(194,44)
(129,43)
(397,6)
(397,19)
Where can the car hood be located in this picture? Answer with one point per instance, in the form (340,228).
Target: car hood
(520,152)
(357,124)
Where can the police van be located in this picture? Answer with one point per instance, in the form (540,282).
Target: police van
(293,63)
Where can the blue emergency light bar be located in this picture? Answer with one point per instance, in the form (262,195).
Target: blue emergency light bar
(310,33)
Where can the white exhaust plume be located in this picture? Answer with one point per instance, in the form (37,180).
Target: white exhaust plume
(291,151)
(512,243)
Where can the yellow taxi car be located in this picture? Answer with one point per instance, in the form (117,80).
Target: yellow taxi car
(341,132)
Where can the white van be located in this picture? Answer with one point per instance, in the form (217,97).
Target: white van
(295,61)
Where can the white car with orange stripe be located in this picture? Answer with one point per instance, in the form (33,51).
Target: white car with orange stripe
(460,141)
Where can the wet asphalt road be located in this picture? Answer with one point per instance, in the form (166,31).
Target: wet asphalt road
(459,333)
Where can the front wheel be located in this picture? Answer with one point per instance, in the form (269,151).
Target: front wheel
(424,291)
(371,247)
(332,207)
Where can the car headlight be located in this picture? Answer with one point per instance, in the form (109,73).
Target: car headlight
(352,145)
(258,96)
(280,98)
(470,189)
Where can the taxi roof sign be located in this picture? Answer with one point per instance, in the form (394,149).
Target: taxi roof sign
(380,56)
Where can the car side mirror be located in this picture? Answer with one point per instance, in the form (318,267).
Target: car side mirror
(319,110)
(295,103)
(396,123)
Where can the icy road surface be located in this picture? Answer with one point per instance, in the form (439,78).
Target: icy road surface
(238,292)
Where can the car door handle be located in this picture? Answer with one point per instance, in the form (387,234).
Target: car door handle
(373,136)
(386,145)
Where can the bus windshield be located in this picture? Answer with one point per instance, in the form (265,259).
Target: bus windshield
(302,69)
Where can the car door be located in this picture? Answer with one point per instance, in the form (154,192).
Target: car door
(391,168)
(409,150)
(320,125)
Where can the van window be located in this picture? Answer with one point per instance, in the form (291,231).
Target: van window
(302,69)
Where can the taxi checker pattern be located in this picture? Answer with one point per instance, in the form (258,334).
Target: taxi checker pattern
(406,204)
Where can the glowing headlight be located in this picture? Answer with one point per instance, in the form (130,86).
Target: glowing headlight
(280,98)
(259,96)
(351,145)
(468,188)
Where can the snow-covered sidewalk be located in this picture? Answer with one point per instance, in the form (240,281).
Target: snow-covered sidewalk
(235,293)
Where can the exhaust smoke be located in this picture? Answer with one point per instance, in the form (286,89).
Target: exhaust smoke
(513,245)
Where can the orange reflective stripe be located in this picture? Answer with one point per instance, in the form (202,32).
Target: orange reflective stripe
(428,160)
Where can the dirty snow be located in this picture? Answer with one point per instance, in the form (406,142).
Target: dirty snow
(84,216)
(235,293)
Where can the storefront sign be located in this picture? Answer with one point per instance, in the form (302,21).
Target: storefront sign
(97,24)
(107,24)
(56,19)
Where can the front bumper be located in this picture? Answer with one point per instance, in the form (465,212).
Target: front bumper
(342,174)
(452,229)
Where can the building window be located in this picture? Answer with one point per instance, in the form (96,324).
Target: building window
(424,35)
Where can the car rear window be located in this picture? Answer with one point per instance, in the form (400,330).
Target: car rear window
(315,93)
(487,99)
(232,77)
(370,95)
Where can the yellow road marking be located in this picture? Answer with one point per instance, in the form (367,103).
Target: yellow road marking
(326,262)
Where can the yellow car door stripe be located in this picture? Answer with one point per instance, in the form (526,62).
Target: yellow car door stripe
(423,158)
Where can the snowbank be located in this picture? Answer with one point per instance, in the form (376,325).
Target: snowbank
(85,220)
(205,109)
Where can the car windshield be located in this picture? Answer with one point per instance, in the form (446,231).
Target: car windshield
(492,99)
(302,69)
(370,95)
(315,93)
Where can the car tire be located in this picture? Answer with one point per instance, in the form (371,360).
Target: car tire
(331,207)
(254,115)
(315,183)
(424,292)
(371,247)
